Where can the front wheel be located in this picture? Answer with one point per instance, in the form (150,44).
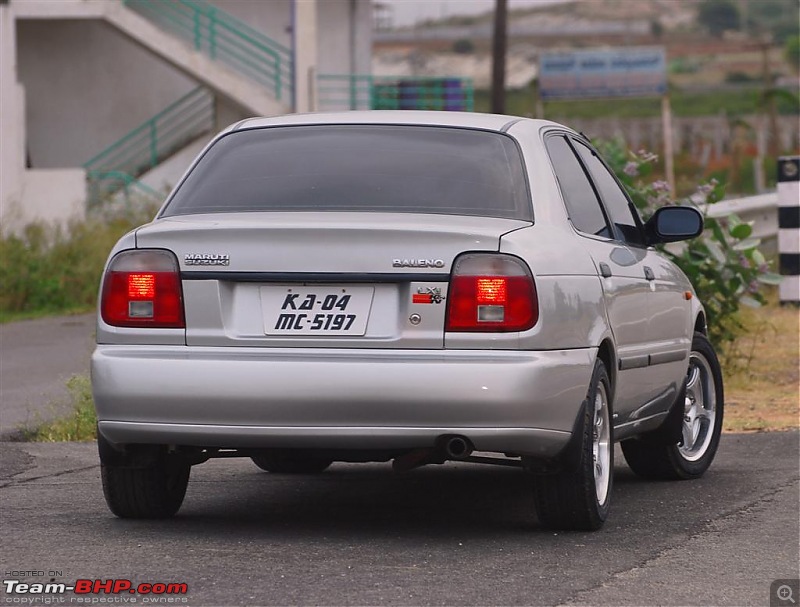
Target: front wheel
(580,499)
(702,406)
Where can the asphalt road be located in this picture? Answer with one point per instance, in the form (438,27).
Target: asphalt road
(36,359)
(458,534)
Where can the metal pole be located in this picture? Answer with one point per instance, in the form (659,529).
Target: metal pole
(499,57)
(666,124)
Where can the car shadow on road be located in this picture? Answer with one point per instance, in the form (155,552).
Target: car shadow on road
(371,501)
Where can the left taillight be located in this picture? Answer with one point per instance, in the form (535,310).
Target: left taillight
(491,292)
(142,288)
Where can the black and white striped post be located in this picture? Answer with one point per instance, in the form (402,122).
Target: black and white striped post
(789,228)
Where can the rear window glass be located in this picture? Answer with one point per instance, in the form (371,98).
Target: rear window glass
(391,169)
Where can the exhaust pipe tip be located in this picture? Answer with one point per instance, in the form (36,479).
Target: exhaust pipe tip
(457,447)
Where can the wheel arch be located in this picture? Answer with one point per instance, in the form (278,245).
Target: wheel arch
(700,325)
(607,354)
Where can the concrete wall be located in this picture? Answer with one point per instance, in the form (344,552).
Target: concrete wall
(47,195)
(342,49)
(86,86)
(72,84)
(12,117)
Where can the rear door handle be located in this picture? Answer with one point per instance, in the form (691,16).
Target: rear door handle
(605,271)
(648,273)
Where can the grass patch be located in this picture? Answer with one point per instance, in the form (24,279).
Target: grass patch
(49,269)
(80,425)
(762,379)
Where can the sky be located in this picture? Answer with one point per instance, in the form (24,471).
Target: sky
(408,12)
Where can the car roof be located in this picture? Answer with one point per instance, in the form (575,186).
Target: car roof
(491,122)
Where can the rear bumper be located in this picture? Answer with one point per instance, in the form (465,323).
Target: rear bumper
(503,401)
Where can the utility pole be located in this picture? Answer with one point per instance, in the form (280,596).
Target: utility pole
(770,108)
(499,57)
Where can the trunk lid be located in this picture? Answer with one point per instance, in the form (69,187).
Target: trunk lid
(342,280)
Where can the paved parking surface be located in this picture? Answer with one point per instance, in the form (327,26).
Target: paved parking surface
(459,534)
(36,359)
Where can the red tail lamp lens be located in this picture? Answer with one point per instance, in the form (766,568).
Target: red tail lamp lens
(142,288)
(491,292)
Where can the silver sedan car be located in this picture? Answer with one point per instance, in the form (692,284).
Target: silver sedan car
(413,287)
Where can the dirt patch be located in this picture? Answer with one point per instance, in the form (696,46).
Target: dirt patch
(762,376)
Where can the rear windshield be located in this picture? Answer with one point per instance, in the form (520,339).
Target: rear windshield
(391,169)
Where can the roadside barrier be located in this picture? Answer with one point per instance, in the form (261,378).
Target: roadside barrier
(789,228)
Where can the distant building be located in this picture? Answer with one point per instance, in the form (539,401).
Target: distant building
(103,95)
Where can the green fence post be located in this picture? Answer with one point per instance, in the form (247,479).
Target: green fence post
(278,77)
(212,32)
(153,144)
(198,40)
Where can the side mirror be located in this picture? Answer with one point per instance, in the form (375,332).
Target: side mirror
(672,224)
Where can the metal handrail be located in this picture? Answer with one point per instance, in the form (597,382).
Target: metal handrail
(157,138)
(224,38)
(360,91)
(107,186)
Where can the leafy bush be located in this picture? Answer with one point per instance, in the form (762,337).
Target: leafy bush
(724,263)
(718,16)
(79,425)
(49,268)
(464,46)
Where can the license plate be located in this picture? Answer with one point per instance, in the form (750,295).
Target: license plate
(320,310)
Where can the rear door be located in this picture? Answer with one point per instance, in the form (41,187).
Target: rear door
(654,388)
(619,266)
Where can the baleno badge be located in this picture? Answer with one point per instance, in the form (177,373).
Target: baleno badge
(418,263)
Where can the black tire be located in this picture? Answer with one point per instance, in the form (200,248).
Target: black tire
(155,491)
(651,458)
(287,464)
(573,499)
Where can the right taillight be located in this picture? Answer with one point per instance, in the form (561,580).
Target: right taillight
(491,292)
(142,288)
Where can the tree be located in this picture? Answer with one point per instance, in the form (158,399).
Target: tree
(718,16)
(463,46)
(792,50)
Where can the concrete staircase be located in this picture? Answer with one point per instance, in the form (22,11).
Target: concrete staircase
(241,88)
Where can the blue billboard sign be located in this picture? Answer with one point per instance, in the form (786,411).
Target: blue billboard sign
(620,72)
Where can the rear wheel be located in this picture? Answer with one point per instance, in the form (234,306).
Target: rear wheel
(288,464)
(142,481)
(580,499)
(156,491)
(702,406)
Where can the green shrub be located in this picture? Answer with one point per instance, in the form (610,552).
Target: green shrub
(79,425)
(724,263)
(49,269)
(464,46)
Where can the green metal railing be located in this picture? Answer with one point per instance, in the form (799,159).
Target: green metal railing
(361,92)
(150,143)
(118,187)
(224,38)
